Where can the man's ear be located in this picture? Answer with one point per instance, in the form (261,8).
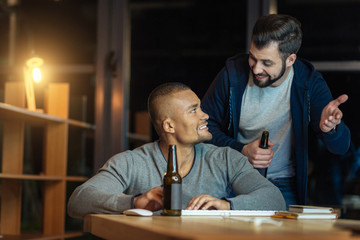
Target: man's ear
(290,60)
(168,126)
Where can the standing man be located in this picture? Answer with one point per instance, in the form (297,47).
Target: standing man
(271,89)
(133,179)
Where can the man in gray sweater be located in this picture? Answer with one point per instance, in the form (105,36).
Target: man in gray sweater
(133,179)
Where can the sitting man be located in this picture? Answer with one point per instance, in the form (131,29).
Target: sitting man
(133,179)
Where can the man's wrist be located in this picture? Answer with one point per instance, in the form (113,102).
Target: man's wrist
(133,200)
(229,203)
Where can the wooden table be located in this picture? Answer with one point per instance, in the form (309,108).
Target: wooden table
(190,227)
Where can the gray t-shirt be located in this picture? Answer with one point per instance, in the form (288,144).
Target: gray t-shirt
(269,109)
(137,171)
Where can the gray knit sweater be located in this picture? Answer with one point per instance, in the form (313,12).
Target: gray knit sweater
(134,172)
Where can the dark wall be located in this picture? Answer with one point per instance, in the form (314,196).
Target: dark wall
(188,43)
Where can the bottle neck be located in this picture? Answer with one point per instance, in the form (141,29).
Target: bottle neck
(264,140)
(172,159)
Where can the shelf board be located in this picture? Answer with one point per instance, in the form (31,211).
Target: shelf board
(42,177)
(9,112)
(77,123)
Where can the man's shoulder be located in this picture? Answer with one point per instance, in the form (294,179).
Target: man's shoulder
(305,69)
(237,68)
(146,149)
(138,158)
(238,60)
(221,156)
(304,64)
(211,149)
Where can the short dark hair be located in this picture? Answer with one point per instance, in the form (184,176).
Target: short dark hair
(283,29)
(163,90)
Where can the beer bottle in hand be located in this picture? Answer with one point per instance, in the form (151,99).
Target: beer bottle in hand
(264,140)
(172,186)
(264,144)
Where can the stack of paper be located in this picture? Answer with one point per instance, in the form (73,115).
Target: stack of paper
(307,212)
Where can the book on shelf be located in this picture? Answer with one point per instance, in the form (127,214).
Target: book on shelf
(309,209)
(294,215)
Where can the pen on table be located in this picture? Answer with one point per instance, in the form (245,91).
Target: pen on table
(283,216)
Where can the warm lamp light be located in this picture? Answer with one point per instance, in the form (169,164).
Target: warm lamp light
(36,73)
(34,65)
(32,73)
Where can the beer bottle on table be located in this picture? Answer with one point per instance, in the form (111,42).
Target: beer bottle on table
(264,144)
(172,186)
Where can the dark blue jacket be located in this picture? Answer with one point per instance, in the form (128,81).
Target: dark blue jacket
(309,95)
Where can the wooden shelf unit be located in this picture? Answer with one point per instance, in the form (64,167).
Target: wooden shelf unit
(54,166)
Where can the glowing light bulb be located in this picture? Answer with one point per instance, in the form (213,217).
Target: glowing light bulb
(36,73)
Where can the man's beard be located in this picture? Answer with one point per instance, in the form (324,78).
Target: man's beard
(269,81)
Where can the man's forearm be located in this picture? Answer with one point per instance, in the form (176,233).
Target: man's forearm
(88,200)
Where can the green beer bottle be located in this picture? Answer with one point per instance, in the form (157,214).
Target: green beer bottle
(172,186)
(264,144)
(264,140)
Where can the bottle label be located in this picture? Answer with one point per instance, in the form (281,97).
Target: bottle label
(173,196)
